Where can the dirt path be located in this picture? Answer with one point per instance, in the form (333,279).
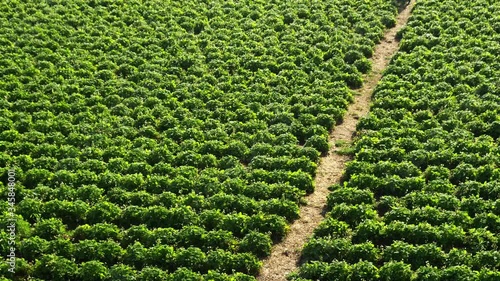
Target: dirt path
(285,255)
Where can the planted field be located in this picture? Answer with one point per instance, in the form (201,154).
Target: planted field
(168,140)
(421,199)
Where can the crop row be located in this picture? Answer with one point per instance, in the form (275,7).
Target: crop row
(420,199)
(209,118)
(52,267)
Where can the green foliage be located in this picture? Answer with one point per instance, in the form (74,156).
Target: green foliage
(193,258)
(395,271)
(320,143)
(331,227)
(152,274)
(419,199)
(257,243)
(148,136)
(33,248)
(51,267)
(103,212)
(93,271)
(121,272)
(49,229)
(364,270)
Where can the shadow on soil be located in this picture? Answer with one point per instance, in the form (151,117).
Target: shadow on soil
(402,4)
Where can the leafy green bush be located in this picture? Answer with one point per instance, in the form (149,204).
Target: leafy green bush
(257,243)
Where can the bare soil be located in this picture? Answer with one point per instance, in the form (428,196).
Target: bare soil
(285,256)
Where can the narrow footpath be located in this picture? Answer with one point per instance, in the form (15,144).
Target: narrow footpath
(285,255)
